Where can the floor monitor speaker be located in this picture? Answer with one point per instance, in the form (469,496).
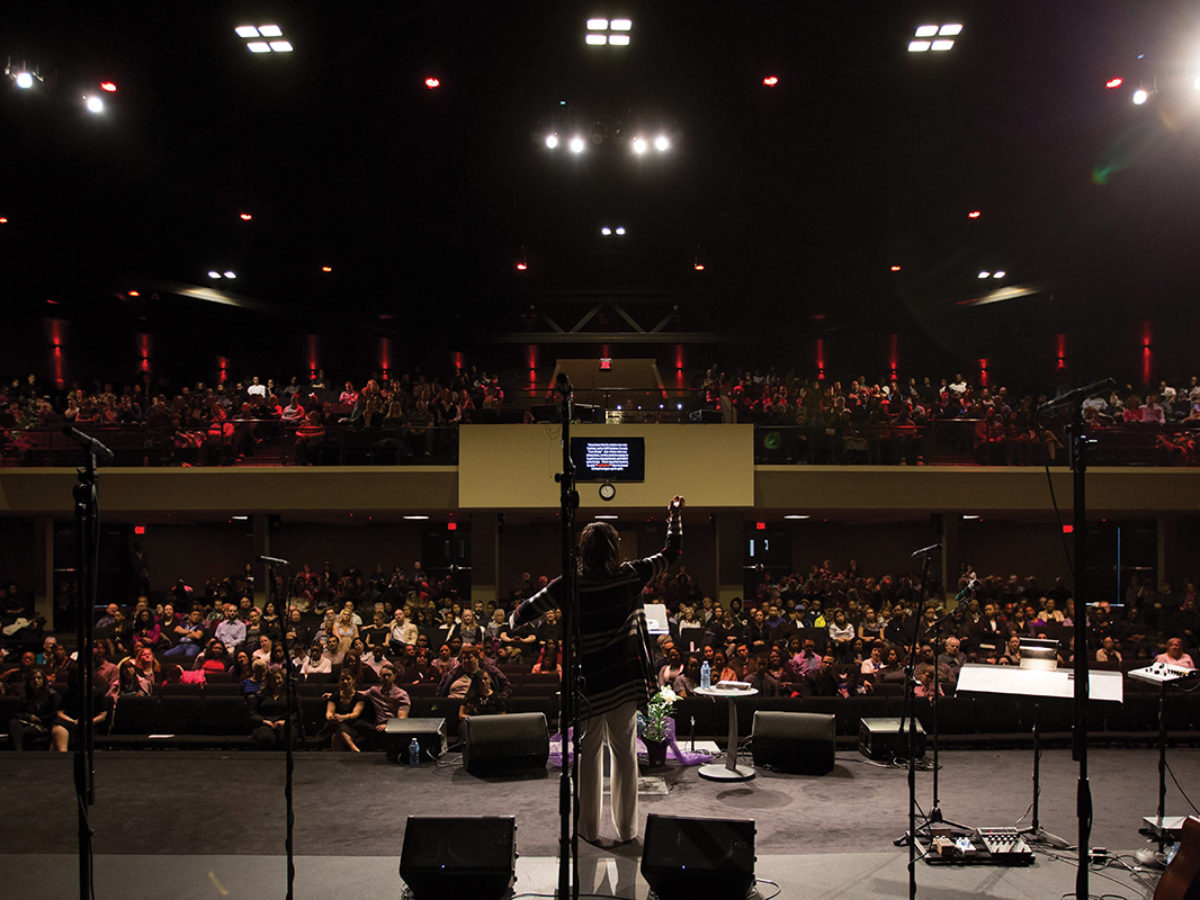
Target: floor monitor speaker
(880,738)
(698,859)
(499,744)
(794,741)
(459,857)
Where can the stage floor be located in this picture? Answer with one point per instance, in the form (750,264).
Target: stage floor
(210,825)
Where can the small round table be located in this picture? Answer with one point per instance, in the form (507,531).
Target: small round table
(729,770)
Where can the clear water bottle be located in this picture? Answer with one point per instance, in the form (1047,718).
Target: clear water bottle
(706,675)
(414,753)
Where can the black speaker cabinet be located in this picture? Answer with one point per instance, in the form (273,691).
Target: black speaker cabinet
(879,738)
(459,857)
(500,744)
(794,742)
(698,859)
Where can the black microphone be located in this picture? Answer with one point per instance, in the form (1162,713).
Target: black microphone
(1079,394)
(926,550)
(274,560)
(89,443)
(563,383)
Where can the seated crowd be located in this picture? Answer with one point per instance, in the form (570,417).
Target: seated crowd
(886,421)
(822,421)
(373,637)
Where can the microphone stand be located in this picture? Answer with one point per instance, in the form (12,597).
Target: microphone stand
(289,681)
(1077,442)
(909,713)
(568,794)
(87,549)
(1083,792)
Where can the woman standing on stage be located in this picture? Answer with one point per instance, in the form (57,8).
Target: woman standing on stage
(614,663)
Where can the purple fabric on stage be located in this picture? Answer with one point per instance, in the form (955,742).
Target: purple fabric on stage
(684,757)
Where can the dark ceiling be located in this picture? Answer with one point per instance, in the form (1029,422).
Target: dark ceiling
(797,198)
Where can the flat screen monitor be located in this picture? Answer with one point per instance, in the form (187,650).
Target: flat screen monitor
(609,458)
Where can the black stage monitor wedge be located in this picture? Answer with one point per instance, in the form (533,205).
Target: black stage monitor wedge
(879,738)
(698,859)
(518,742)
(794,742)
(472,857)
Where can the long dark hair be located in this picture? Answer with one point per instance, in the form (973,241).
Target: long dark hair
(598,549)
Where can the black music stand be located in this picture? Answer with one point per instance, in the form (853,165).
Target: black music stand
(1017,681)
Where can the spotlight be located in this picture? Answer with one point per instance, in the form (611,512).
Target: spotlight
(1113,83)
(432,83)
(326,269)
(662,143)
(895,268)
(606,231)
(552,141)
(522,266)
(639,145)
(229,273)
(621,230)
(974,214)
(577,144)
(1140,96)
(94,104)
(108,86)
(771,81)
(213,273)
(245,217)
(24,80)
(985,274)
(999,274)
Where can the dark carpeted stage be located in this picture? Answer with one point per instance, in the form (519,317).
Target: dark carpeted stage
(201,824)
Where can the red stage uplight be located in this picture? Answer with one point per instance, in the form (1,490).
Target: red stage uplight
(139,529)
(771,81)
(1114,83)
(432,83)
(605,363)
(760,526)
(974,214)
(452,526)
(1068,529)
(110,86)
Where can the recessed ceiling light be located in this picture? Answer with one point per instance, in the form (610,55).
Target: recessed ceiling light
(797,516)
(270,31)
(416,518)
(258,47)
(246,31)
(286,46)
(608,516)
